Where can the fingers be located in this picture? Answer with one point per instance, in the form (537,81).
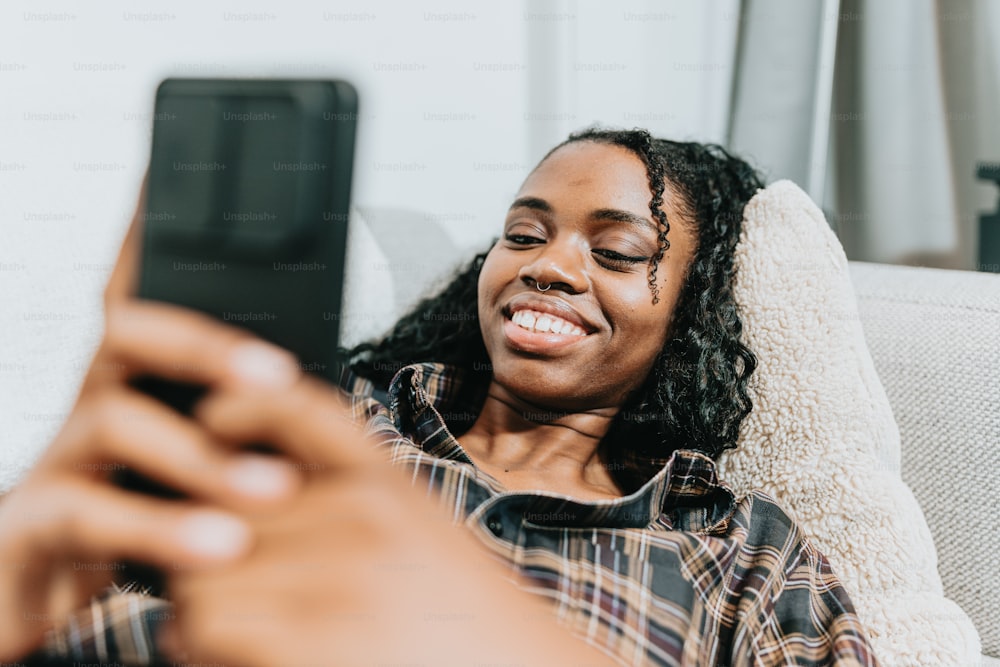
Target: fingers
(176,343)
(308,421)
(86,520)
(131,430)
(62,537)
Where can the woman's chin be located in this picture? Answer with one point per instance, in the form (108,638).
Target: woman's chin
(535,390)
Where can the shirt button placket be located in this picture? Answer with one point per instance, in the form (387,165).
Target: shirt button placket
(495,524)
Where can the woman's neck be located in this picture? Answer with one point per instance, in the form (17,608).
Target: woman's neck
(527,446)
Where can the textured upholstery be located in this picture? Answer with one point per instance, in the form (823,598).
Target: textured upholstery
(821,438)
(935,338)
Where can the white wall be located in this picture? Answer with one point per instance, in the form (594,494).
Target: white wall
(459,99)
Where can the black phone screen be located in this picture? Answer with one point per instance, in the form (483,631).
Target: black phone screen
(247,206)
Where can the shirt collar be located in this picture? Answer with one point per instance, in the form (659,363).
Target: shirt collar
(429,402)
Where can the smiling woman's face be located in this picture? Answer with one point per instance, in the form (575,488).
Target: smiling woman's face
(581,223)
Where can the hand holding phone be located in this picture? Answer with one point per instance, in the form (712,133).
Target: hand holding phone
(66,527)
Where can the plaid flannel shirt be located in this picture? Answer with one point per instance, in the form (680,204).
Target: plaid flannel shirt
(679,572)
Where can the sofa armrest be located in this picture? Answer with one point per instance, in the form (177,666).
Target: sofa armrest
(933,336)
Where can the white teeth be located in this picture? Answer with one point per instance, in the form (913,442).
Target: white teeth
(545,323)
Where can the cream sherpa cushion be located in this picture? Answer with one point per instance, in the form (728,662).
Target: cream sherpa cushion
(822,440)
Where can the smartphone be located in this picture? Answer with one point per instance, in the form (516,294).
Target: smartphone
(246,210)
(246,219)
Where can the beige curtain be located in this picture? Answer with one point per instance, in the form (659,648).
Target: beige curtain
(893,194)
(913,103)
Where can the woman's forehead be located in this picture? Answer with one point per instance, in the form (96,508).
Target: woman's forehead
(600,175)
(592,172)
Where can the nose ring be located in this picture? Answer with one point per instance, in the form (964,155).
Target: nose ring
(538,286)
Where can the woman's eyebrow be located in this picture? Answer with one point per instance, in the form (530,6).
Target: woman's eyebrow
(613,214)
(618,215)
(532,203)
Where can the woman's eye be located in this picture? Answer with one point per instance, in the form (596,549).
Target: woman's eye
(522,239)
(617,260)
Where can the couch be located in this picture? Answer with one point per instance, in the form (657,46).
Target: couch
(935,338)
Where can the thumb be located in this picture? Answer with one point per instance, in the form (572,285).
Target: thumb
(124,280)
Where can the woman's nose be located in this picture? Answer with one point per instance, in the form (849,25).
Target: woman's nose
(560,264)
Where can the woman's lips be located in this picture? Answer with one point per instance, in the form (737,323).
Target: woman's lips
(540,305)
(545,322)
(529,340)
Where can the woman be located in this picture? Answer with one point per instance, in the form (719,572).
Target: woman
(563,398)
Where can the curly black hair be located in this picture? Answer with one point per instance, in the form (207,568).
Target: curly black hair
(695,396)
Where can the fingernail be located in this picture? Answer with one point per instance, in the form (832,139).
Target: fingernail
(215,535)
(260,477)
(263,365)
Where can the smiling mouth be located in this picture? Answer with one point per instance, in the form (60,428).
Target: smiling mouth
(546,323)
